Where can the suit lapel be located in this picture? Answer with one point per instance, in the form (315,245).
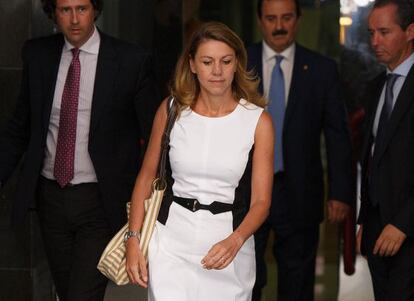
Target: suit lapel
(404,100)
(106,71)
(374,96)
(50,68)
(297,84)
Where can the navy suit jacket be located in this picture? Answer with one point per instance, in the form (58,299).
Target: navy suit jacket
(123,106)
(391,174)
(314,107)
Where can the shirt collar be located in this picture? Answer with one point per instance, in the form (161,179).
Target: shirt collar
(269,53)
(90,46)
(404,67)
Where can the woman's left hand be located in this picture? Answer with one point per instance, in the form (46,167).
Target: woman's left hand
(223,252)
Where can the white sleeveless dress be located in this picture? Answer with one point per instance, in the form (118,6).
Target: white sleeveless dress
(208,156)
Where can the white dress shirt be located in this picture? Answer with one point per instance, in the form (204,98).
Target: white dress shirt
(269,61)
(84,171)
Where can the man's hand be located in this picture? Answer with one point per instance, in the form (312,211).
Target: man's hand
(389,241)
(337,211)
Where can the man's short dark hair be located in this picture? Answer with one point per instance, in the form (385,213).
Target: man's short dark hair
(405,10)
(49,7)
(260,5)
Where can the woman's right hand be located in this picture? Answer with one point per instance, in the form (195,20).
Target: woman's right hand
(136,265)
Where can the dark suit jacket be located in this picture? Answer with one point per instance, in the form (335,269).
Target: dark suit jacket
(314,105)
(123,106)
(391,176)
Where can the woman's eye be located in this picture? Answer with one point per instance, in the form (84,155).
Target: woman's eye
(227,62)
(207,63)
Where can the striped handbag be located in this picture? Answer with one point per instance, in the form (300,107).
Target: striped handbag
(113,259)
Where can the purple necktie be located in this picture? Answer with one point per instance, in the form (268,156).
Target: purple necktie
(65,148)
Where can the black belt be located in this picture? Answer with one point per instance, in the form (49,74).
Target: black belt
(47,181)
(194,205)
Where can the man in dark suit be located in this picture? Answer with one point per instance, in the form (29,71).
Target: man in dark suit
(387,186)
(304,101)
(85,105)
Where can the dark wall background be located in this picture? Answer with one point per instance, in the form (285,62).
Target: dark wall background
(24,274)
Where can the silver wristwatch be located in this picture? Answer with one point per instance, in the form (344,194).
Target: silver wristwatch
(129,234)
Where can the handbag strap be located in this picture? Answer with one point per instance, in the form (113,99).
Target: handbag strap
(165,142)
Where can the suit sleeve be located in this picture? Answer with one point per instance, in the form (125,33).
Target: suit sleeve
(403,220)
(14,136)
(146,98)
(337,139)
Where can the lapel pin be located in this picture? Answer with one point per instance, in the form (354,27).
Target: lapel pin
(305,67)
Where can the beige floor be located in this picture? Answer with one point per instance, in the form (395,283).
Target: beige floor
(125,293)
(357,287)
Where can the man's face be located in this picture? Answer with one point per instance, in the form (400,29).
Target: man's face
(279,23)
(391,44)
(75,19)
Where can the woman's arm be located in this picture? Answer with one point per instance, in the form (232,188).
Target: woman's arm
(222,253)
(262,178)
(135,262)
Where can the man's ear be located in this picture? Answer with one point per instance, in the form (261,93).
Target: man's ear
(409,32)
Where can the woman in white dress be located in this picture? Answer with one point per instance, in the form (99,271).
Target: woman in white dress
(221,159)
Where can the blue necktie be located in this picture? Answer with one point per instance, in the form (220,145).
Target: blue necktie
(276,109)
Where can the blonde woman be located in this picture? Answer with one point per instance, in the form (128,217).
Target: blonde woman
(221,174)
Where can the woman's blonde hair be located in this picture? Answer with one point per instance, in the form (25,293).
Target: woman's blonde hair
(185,86)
